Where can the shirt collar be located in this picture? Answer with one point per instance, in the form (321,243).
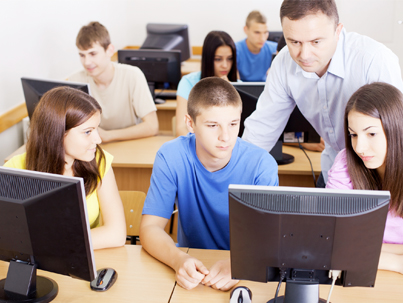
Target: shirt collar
(336,66)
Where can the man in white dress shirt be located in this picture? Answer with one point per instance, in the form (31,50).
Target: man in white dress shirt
(320,69)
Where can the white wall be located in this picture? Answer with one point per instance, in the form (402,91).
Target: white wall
(38,37)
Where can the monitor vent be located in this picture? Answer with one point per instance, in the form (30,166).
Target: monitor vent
(27,187)
(309,204)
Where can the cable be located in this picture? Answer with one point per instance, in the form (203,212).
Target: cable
(335,274)
(283,272)
(298,136)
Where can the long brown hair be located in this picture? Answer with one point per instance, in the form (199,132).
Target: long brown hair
(214,40)
(60,110)
(385,102)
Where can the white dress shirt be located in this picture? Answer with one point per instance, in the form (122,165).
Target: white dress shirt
(358,60)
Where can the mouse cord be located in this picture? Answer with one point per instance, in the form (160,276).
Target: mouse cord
(313,174)
(160,92)
(283,272)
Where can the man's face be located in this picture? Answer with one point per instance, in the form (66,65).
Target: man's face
(216,130)
(312,41)
(257,34)
(96,59)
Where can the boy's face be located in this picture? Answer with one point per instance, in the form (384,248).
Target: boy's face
(96,59)
(216,130)
(257,34)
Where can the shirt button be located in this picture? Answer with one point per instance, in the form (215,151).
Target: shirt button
(324,107)
(331,131)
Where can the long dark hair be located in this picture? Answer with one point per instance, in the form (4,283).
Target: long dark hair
(60,110)
(214,40)
(385,102)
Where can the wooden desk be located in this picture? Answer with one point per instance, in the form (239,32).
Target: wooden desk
(134,159)
(388,287)
(165,113)
(141,278)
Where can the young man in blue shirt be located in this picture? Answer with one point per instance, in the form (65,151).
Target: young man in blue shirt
(194,171)
(254,53)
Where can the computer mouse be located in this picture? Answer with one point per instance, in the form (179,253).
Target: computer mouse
(241,294)
(106,277)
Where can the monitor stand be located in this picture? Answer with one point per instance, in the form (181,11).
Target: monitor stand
(300,292)
(23,285)
(277,153)
(151,86)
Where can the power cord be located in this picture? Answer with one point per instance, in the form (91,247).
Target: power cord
(334,274)
(298,135)
(283,272)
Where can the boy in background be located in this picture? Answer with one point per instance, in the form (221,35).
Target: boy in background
(194,171)
(254,54)
(128,110)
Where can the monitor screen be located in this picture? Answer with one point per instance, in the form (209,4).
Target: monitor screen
(161,68)
(306,232)
(168,37)
(34,89)
(275,36)
(250,92)
(43,225)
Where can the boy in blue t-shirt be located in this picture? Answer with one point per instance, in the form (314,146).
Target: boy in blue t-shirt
(194,171)
(254,54)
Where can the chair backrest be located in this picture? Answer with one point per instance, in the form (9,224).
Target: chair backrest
(133,202)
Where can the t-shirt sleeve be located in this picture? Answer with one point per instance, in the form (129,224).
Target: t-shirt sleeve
(16,162)
(142,101)
(184,87)
(338,176)
(163,190)
(107,164)
(267,171)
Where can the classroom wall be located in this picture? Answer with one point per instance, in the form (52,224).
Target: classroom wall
(38,37)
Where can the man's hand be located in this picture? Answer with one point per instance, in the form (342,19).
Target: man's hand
(190,272)
(318,147)
(220,276)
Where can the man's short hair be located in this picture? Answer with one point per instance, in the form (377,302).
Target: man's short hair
(212,91)
(256,16)
(92,33)
(298,9)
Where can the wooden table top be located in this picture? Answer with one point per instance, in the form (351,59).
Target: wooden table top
(388,287)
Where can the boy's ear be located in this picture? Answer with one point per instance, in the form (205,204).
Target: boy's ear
(189,123)
(110,50)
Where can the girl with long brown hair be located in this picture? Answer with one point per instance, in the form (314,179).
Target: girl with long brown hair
(373,158)
(64,140)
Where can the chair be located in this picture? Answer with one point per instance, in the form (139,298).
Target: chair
(133,202)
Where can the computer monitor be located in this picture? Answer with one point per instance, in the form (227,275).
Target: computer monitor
(275,36)
(35,88)
(168,37)
(306,232)
(161,68)
(43,225)
(250,92)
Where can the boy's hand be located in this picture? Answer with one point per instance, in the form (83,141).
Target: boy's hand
(220,276)
(190,272)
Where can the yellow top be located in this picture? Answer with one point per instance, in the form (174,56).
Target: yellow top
(92,199)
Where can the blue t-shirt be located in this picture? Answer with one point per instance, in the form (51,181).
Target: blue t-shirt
(202,196)
(186,84)
(253,67)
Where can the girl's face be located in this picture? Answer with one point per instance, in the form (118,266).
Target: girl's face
(81,141)
(368,140)
(222,61)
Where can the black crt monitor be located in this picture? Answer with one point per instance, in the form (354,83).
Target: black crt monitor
(166,36)
(43,225)
(35,88)
(303,233)
(161,68)
(275,36)
(297,124)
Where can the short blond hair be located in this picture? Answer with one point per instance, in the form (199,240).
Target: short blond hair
(209,92)
(91,34)
(256,16)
